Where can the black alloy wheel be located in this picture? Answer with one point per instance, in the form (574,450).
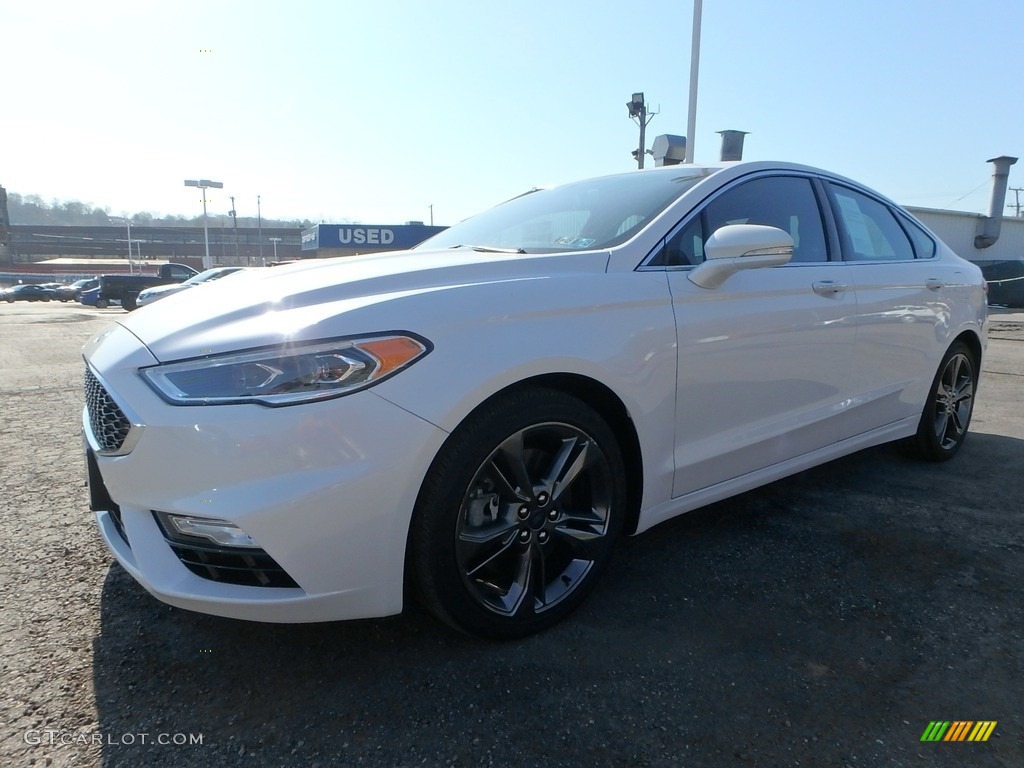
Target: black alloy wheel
(518,515)
(947,413)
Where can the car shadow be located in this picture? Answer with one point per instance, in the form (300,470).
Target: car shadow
(825,616)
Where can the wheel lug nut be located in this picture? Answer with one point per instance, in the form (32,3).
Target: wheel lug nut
(542,536)
(542,498)
(524,536)
(553,514)
(524,512)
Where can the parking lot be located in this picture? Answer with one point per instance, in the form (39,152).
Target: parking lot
(824,620)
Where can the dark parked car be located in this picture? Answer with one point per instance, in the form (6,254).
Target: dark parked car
(90,296)
(28,293)
(73,292)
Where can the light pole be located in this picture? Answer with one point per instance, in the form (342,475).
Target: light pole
(275,241)
(205,184)
(691,119)
(128,223)
(234,218)
(259,223)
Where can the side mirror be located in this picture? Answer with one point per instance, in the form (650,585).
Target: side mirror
(741,246)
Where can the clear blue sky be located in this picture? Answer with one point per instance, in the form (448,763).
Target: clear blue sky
(372,111)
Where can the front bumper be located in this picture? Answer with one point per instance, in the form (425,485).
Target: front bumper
(325,489)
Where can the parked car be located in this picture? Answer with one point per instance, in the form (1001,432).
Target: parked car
(149,295)
(73,292)
(27,292)
(479,419)
(125,288)
(91,296)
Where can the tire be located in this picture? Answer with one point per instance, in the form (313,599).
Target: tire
(102,303)
(518,515)
(129,302)
(947,413)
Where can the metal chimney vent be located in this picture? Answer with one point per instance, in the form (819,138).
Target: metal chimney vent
(732,145)
(989,227)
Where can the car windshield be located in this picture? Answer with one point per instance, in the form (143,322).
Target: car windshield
(585,215)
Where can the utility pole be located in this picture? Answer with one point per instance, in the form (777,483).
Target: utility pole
(259,222)
(234,218)
(1016,193)
(638,111)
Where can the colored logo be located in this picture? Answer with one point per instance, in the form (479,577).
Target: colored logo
(958,730)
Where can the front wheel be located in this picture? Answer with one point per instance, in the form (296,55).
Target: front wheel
(518,515)
(947,413)
(102,303)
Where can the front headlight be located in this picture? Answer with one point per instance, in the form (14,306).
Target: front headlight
(286,374)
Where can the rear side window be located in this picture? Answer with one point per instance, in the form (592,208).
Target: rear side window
(869,229)
(924,246)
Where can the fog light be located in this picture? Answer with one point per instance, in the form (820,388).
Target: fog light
(184,528)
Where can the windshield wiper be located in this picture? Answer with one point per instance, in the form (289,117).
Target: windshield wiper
(488,249)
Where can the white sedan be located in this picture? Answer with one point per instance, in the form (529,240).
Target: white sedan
(157,292)
(480,418)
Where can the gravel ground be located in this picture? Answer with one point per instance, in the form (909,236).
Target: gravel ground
(824,620)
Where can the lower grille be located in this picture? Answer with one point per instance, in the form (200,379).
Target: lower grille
(110,427)
(115,515)
(250,567)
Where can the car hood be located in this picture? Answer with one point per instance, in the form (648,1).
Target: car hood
(324,298)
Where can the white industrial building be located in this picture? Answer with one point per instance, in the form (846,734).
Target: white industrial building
(1002,262)
(993,242)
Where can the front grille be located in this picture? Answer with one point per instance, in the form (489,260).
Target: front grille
(251,567)
(110,427)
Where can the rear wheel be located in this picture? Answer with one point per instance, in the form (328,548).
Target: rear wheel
(130,301)
(102,303)
(518,515)
(947,413)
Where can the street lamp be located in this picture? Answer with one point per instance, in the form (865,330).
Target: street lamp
(638,111)
(275,241)
(205,184)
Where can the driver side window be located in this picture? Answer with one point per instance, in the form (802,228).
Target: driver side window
(786,202)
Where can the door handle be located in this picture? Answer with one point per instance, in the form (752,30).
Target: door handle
(933,284)
(828,287)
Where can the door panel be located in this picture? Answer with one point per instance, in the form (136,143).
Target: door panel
(765,358)
(764,368)
(902,310)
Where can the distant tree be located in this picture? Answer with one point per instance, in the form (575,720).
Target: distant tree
(32,210)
